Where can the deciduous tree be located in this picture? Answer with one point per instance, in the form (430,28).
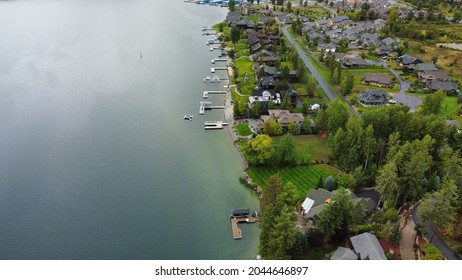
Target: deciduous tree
(258,150)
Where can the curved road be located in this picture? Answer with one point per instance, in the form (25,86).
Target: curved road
(322,83)
(447,252)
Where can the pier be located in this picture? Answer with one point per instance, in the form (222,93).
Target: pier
(215,48)
(237,233)
(207,105)
(206,93)
(219,60)
(218,69)
(214,124)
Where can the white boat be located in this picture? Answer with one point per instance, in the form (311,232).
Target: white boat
(208,78)
(188,117)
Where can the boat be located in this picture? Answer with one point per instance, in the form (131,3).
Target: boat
(208,78)
(188,117)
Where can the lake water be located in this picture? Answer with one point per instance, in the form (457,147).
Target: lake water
(96,160)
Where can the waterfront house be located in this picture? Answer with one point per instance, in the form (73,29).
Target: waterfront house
(377,80)
(233,17)
(284,117)
(373,97)
(264,97)
(266,82)
(317,199)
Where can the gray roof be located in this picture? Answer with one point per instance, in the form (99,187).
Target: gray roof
(380,79)
(343,253)
(426,67)
(368,246)
(408,59)
(319,196)
(339,18)
(370,96)
(445,86)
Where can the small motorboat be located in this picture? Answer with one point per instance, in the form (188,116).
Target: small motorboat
(188,117)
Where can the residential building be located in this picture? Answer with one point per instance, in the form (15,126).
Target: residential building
(377,80)
(367,246)
(373,97)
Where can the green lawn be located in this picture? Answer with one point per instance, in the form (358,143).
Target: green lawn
(243,129)
(244,66)
(450,108)
(317,146)
(303,177)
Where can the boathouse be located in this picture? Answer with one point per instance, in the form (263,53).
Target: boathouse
(241,212)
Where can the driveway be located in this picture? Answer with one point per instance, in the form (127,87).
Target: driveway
(322,83)
(448,253)
(411,101)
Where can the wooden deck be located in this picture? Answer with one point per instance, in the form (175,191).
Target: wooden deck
(237,233)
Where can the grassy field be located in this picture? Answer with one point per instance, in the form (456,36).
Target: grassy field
(244,68)
(243,129)
(303,177)
(359,74)
(450,108)
(448,60)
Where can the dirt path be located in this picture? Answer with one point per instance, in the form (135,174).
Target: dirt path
(406,244)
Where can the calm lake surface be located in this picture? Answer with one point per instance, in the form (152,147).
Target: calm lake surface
(96,160)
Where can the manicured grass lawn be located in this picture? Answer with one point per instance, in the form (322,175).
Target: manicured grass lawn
(244,66)
(303,177)
(450,108)
(243,129)
(317,146)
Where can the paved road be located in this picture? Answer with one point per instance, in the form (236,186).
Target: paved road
(322,83)
(447,252)
(411,101)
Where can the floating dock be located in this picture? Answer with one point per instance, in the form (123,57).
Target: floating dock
(218,68)
(207,105)
(219,60)
(206,93)
(237,233)
(214,125)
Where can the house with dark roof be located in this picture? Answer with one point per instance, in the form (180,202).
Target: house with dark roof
(407,60)
(373,97)
(354,63)
(447,87)
(425,67)
(428,76)
(367,246)
(266,82)
(377,80)
(233,17)
(317,199)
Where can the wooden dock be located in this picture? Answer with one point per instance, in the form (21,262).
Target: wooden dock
(206,93)
(214,125)
(237,233)
(219,60)
(218,68)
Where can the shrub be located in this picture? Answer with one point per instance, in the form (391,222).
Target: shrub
(430,252)
(362,228)
(391,215)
